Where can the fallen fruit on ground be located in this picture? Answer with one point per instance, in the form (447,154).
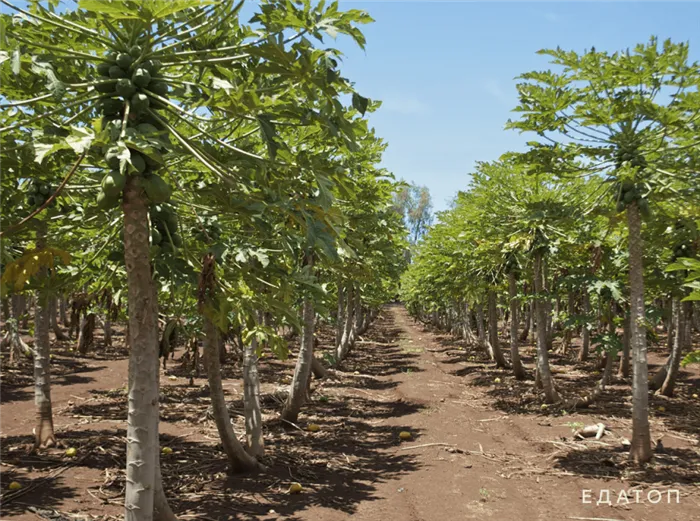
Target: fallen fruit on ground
(15,486)
(295,488)
(166,450)
(497,380)
(313,427)
(71,452)
(405,435)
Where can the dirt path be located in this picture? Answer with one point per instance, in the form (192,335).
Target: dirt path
(481,447)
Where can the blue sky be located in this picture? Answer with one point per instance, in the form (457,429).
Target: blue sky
(445,71)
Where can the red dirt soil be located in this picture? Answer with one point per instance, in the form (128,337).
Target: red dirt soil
(480,448)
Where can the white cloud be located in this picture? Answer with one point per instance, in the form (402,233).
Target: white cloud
(408,105)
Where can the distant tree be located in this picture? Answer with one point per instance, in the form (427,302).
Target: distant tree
(415,205)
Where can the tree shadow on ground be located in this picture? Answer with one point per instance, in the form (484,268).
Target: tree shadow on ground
(673,466)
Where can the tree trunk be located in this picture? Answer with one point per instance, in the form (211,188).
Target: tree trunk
(44,433)
(543,371)
(481,327)
(496,353)
(62,310)
(57,331)
(86,334)
(526,323)
(142,421)
(344,346)
(549,317)
(302,371)
(670,330)
(568,333)
(640,451)
(318,369)
(5,309)
(679,321)
(514,354)
(239,460)
(340,326)
(585,332)
(107,328)
(251,400)
(624,367)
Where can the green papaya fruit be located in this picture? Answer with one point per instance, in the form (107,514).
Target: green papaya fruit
(152,66)
(141,77)
(124,60)
(138,162)
(112,106)
(116,72)
(106,87)
(112,158)
(113,183)
(32,188)
(139,102)
(620,206)
(157,190)
(627,185)
(125,88)
(39,199)
(103,68)
(105,202)
(166,247)
(44,189)
(135,51)
(630,195)
(158,87)
(176,240)
(156,237)
(31,201)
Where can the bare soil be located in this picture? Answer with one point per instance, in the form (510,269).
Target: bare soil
(482,446)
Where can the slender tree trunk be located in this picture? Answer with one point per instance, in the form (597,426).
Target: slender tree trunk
(340,326)
(60,335)
(497,354)
(107,328)
(302,371)
(549,317)
(640,451)
(239,460)
(518,370)
(5,309)
(526,323)
(624,367)
(142,421)
(673,364)
(86,333)
(585,332)
(62,310)
(543,371)
(344,346)
(44,433)
(251,400)
(670,331)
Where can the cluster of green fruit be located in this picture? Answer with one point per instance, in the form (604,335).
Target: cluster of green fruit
(130,78)
(38,192)
(628,192)
(210,231)
(164,234)
(127,75)
(629,156)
